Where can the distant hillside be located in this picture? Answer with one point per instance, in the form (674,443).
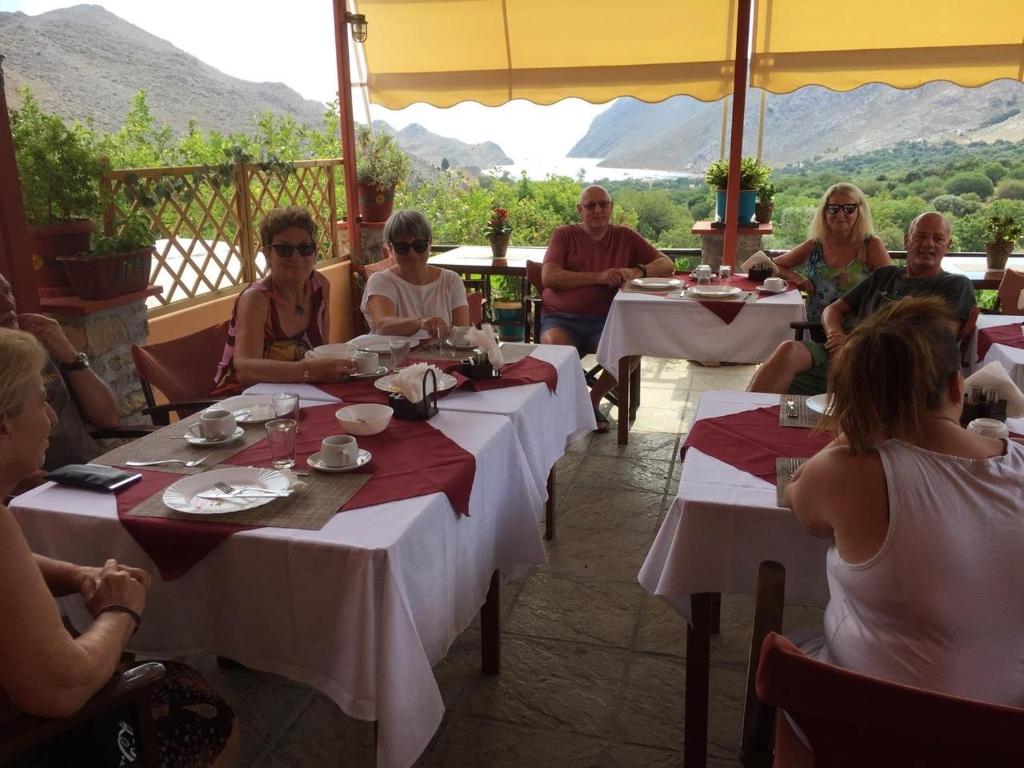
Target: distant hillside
(85,62)
(683,134)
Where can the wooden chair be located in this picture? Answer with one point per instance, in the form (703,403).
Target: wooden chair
(850,719)
(476,300)
(183,369)
(1011,292)
(128,689)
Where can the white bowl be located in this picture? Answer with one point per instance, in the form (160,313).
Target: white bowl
(364,419)
(332,352)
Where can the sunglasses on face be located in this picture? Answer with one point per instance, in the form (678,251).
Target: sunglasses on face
(602,204)
(848,208)
(285,250)
(420,246)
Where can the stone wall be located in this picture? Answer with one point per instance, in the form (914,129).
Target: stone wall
(107,336)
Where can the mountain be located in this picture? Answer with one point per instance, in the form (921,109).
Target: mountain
(683,134)
(85,62)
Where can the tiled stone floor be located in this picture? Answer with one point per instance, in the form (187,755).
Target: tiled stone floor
(592,666)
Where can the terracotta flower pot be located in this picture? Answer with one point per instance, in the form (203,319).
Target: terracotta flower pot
(763,212)
(101,277)
(65,238)
(499,245)
(996,254)
(375,204)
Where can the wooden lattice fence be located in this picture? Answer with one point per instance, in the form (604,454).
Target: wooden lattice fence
(206,220)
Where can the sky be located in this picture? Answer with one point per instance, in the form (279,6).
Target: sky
(293,43)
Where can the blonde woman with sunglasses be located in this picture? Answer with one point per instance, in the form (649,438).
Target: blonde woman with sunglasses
(412,297)
(278,318)
(841,252)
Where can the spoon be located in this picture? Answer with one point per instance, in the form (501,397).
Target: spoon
(192,463)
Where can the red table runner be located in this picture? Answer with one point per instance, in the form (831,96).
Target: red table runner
(1010,335)
(752,440)
(727,310)
(410,458)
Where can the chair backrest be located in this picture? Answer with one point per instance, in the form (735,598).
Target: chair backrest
(534,270)
(1011,293)
(855,720)
(378,266)
(183,368)
(475,300)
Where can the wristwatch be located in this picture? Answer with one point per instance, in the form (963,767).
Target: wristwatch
(81,361)
(643,269)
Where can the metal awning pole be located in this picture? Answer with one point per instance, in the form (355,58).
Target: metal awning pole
(15,259)
(348,131)
(739,102)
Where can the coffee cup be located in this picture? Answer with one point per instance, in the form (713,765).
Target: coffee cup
(775,284)
(216,424)
(339,451)
(366,362)
(989,428)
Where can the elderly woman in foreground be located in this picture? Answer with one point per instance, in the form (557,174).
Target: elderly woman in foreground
(43,669)
(927,518)
(412,296)
(280,317)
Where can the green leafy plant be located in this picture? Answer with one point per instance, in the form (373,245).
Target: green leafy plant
(1003,229)
(753,173)
(766,193)
(57,165)
(498,224)
(380,162)
(504,288)
(134,233)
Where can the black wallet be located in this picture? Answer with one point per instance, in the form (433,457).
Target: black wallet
(94,477)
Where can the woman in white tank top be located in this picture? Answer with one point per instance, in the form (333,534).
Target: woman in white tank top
(926,567)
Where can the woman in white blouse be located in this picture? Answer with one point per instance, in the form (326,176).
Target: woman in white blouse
(412,296)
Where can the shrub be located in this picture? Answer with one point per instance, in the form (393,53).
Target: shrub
(971,181)
(1010,189)
(955,205)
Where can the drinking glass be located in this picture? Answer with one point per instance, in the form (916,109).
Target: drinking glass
(724,273)
(281,439)
(399,351)
(286,406)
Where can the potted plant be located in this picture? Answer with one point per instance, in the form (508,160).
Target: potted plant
(116,265)
(59,174)
(498,231)
(1003,232)
(765,205)
(753,173)
(381,166)
(507,306)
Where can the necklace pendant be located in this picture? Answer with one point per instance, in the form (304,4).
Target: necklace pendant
(299,309)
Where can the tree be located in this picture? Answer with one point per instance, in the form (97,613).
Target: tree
(1010,189)
(971,181)
(445,164)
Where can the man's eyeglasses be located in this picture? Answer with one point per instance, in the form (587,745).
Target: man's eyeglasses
(420,246)
(592,204)
(285,250)
(848,208)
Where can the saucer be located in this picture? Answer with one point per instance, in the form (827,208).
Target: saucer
(381,370)
(362,460)
(195,439)
(763,289)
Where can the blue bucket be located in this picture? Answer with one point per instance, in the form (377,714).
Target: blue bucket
(748,202)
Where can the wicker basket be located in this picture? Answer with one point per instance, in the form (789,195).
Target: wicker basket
(102,277)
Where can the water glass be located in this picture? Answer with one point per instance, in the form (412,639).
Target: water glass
(399,351)
(281,440)
(286,406)
(724,273)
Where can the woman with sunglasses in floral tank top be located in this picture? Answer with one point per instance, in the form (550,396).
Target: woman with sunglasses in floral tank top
(280,317)
(841,252)
(412,296)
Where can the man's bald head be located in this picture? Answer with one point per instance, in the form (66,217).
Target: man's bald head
(593,192)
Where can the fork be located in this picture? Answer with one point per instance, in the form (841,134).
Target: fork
(192,463)
(230,490)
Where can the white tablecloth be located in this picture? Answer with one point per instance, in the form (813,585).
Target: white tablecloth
(360,609)
(723,523)
(641,324)
(1012,358)
(544,421)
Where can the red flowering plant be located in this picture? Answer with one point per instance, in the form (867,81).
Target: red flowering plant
(498,224)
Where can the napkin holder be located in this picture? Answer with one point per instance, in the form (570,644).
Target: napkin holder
(758,273)
(972,411)
(478,368)
(425,409)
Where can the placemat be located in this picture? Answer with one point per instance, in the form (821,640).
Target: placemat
(799,415)
(784,471)
(169,443)
(725,310)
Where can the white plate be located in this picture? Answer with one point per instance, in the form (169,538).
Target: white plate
(655,283)
(386,384)
(249,409)
(193,438)
(382,344)
(381,370)
(714,291)
(361,461)
(181,496)
(332,352)
(819,403)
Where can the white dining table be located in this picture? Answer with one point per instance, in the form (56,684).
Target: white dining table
(360,609)
(1011,358)
(669,326)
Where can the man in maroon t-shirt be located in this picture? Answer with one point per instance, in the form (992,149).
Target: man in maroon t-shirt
(584,266)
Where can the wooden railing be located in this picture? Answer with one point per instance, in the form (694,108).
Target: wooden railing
(206,219)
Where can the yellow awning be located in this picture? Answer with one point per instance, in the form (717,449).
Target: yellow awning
(903,43)
(445,51)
